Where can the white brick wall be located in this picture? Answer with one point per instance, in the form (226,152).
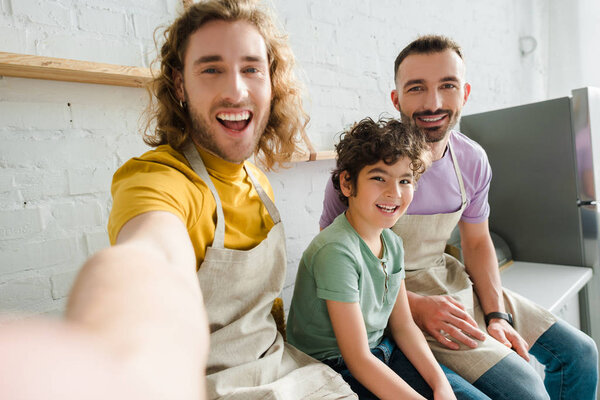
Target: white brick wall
(62,141)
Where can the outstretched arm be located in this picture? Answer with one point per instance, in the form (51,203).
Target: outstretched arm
(410,340)
(142,298)
(352,340)
(135,325)
(482,266)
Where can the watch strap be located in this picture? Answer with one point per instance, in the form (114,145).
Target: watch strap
(500,315)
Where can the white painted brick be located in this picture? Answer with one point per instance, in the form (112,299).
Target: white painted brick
(103,21)
(12,39)
(66,152)
(154,5)
(33,115)
(38,184)
(24,293)
(80,214)
(16,224)
(7,181)
(89,48)
(96,241)
(107,115)
(94,180)
(145,24)
(42,12)
(56,309)
(61,283)
(19,256)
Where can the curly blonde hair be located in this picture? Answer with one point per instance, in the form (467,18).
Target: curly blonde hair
(169,123)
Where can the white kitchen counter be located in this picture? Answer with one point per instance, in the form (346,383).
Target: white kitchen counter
(554,287)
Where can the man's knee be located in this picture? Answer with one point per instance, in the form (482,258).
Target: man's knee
(566,346)
(512,378)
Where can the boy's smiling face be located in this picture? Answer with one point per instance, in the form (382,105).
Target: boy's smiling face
(382,194)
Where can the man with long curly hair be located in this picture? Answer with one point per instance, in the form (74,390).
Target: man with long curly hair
(193,223)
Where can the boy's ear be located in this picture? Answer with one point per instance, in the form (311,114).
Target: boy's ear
(345,184)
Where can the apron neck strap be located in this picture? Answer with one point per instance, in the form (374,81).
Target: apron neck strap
(463,193)
(191,154)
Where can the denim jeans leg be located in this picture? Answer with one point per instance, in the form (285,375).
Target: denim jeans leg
(461,387)
(404,368)
(512,378)
(570,358)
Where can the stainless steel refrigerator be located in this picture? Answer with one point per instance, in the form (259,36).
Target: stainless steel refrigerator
(545,160)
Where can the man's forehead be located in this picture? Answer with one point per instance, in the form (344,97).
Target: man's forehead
(436,66)
(220,40)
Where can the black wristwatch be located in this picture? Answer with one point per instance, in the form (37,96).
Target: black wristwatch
(496,314)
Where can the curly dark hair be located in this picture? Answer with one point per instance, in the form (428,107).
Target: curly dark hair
(368,142)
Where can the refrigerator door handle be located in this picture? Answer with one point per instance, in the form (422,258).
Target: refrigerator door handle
(587,203)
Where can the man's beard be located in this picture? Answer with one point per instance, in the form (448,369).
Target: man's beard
(432,135)
(204,135)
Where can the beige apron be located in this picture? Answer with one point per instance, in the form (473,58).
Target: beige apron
(429,271)
(248,358)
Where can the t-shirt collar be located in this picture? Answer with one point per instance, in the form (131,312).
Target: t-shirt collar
(217,164)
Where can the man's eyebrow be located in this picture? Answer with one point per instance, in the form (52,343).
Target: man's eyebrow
(208,59)
(450,78)
(218,58)
(414,82)
(254,58)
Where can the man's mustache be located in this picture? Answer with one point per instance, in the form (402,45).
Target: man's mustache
(430,113)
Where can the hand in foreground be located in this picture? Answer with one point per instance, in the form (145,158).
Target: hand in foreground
(437,315)
(503,332)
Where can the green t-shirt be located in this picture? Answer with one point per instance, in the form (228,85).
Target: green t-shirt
(338,265)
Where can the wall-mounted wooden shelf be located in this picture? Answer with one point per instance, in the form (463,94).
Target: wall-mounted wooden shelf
(60,69)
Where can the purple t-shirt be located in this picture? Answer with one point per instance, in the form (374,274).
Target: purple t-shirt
(437,190)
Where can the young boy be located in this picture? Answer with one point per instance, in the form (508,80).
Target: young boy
(350,286)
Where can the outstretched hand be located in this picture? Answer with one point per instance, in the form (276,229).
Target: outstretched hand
(444,318)
(503,332)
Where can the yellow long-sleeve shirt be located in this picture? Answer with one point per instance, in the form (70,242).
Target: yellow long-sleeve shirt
(162,180)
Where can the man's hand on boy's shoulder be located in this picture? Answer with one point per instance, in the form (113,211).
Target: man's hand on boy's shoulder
(445,319)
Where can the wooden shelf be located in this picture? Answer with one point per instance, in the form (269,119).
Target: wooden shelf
(60,69)
(315,156)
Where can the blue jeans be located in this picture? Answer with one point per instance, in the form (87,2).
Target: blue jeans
(570,358)
(390,354)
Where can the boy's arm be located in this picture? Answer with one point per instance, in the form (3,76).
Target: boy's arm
(141,298)
(410,340)
(351,336)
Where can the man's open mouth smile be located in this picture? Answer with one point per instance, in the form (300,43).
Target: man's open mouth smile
(235,121)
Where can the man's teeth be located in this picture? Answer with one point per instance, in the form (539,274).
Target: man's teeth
(240,116)
(432,119)
(387,208)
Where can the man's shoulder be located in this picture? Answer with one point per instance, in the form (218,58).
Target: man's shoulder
(465,146)
(469,153)
(163,159)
